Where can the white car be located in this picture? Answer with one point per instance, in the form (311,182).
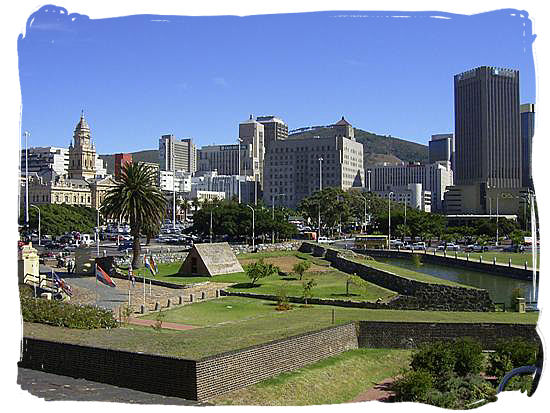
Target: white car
(324,240)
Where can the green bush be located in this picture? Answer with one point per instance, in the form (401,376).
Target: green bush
(510,354)
(60,314)
(469,357)
(413,386)
(436,358)
(462,393)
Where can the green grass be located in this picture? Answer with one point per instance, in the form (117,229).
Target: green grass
(338,379)
(253,322)
(518,258)
(330,284)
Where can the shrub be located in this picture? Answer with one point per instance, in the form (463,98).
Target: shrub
(413,386)
(301,267)
(462,392)
(259,270)
(469,357)
(436,358)
(511,353)
(61,314)
(282,300)
(416,260)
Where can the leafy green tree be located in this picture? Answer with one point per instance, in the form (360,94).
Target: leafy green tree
(402,231)
(259,269)
(307,287)
(136,200)
(301,267)
(58,219)
(517,237)
(357,281)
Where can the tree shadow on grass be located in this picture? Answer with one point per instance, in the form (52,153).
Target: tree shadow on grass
(245,285)
(289,278)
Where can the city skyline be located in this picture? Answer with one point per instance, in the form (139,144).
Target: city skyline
(228,97)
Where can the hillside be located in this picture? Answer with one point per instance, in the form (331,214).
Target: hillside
(378,148)
(148,155)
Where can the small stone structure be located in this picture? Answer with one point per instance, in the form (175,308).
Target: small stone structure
(28,263)
(210,260)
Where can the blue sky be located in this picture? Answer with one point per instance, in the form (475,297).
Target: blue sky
(139,77)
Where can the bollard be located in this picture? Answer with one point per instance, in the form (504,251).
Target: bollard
(169,303)
(191,298)
(456,255)
(180,300)
(435,252)
(217,293)
(494,260)
(203,295)
(445,253)
(467,256)
(509,262)
(143,309)
(157,306)
(480,258)
(525,266)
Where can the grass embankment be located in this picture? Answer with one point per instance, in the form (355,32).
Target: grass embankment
(518,258)
(330,283)
(232,323)
(338,379)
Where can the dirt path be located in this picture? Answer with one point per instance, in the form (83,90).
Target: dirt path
(379,392)
(165,324)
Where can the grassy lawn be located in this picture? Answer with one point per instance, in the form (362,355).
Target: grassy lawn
(331,283)
(252,322)
(518,258)
(338,379)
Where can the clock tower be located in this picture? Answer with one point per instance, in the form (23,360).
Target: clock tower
(82,155)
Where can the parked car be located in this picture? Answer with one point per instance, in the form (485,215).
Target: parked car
(453,247)
(419,246)
(324,240)
(476,248)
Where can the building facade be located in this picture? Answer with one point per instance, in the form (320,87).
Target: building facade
(275,129)
(442,148)
(487,128)
(434,178)
(177,155)
(41,159)
(527,132)
(413,195)
(82,154)
(251,133)
(121,159)
(293,171)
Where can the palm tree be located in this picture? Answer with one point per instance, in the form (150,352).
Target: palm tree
(196,204)
(184,204)
(136,200)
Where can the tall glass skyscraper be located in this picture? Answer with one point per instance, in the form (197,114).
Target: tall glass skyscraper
(487,128)
(527,131)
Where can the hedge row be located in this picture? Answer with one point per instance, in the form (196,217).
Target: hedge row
(61,314)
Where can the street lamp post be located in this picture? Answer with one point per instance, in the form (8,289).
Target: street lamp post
(405,205)
(496,243)
(174,200)
(27,179)
(97,230)
(320,189)
(273,215)
(253,236)
(368,174)
(211,233)
(365,214)
(39,233)
(239,140)
(389,219)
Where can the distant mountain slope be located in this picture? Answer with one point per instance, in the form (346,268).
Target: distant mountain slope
(374,144)
(148,155)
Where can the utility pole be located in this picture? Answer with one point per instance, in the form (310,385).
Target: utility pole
(39,233)
(253,248)
(27,179)
(239,140)
(320,190)
(389,219)
(174,199)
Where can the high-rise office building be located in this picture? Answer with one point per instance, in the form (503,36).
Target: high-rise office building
(251,133)
(177,155)
(487,128)
(527,131)
(292,169)
(442,148)
(274,129)
(121,159)
(44,159)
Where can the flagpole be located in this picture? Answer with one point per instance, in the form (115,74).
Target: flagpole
(96,285)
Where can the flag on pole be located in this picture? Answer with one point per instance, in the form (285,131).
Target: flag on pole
(103,277)
(60,283)
(150,263)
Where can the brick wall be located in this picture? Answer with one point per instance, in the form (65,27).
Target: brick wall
(189,379)
(378,334)
(230,371)
(168,376)
(432,297)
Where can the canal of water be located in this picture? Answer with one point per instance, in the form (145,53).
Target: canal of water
(500,288)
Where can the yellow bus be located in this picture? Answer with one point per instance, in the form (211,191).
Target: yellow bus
(364,242)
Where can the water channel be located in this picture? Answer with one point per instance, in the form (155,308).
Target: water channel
(500,288)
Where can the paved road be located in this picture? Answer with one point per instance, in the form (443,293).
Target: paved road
(53,387)
(108,297)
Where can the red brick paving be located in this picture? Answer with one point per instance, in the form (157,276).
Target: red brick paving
(380,392)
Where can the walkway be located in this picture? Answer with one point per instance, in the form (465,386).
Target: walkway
(167,325)
(381,392)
